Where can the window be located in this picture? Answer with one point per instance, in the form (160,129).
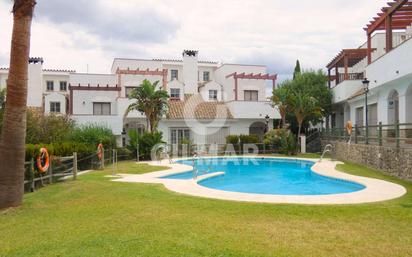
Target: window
(174,74)
(212,94)
(175,93)
(179,136)
(251,95)
(101,109)
(129,90)
(55,107)
(50,85)
(206,76)
(63,86)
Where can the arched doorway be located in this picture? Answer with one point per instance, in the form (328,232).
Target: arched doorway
(258,128)
(393,107)
(132,126)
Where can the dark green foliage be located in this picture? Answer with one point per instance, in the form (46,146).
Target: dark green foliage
(297,70)
(273,137)
(287,143)
(244,139)
(147,141)
(150,101)
(47,129)
(93,134)
(60,149)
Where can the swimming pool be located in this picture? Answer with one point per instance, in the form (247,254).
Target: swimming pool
(266,176)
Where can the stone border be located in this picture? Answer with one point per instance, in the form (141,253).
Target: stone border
(376,190)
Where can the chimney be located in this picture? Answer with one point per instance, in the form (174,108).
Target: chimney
(35,82)
(190,71)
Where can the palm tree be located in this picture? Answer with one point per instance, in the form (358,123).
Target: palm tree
(281,99)
(13,136)
(303,106)
(150,101)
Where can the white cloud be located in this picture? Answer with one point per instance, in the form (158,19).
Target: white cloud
(270,32)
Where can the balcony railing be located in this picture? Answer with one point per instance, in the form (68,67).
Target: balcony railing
(350,76)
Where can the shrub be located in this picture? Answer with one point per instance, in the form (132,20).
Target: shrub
(93,134)
(47,129)
(60,149)
(287,143)
(244,139)
(146,143)
(273,137)
(232,139)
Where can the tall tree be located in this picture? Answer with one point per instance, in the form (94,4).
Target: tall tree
(303,106)
(12,141)
(151,101)
(297,70)
(280,99)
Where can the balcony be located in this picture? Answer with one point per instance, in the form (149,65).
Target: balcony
(394,65)
(347,88)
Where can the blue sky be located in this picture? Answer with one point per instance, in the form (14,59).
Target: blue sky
(77,33)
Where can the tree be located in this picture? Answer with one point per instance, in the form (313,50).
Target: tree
(297,70)
(13,136)
(314,83)
(151,101)
(303,106)
(280,100)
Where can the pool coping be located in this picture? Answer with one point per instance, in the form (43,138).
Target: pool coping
(375,190)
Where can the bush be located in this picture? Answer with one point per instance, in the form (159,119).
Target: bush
(232,139)
(273,137)
(287,143)
(47,129)
(60,149)
(146,143)
(93,134)
(244,139)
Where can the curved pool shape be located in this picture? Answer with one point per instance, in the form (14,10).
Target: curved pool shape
(266,176)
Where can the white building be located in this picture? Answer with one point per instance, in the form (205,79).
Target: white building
(209,101)
(386,61)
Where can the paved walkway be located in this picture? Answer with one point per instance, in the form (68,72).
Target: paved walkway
(376,190)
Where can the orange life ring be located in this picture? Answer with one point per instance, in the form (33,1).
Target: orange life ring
(43,155)
(100,151)
(349,127)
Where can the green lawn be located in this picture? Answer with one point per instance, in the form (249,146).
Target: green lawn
(96,217)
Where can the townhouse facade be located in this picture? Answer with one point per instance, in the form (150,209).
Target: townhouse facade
(208,101)
(380,69)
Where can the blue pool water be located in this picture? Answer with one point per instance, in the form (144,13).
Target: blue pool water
(266,176)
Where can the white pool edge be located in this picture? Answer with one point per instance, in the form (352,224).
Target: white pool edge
(375,190)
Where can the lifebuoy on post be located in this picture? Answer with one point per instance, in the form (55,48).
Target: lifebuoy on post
(43,156)
(100,151)
(349,127)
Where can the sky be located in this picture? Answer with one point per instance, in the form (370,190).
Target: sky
(88,34)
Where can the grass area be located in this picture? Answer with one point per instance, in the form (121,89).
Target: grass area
(96,217)
(131,167)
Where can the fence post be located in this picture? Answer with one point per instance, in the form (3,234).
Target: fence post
(397,134)
(356,133)
(32,186)
(51,171)
(74,166)
(380,134)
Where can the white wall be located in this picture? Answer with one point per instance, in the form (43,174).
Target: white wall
(83,101)
(204,91)
(190,73)
(34,86)
(394,65)
(55,97)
